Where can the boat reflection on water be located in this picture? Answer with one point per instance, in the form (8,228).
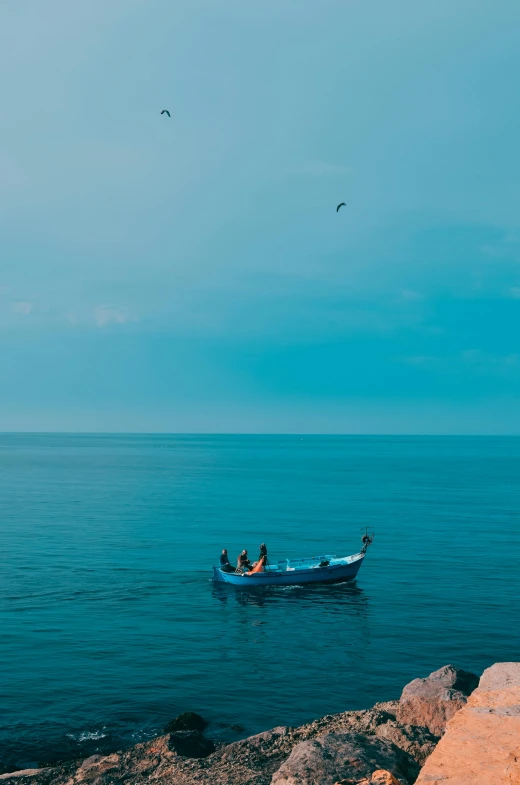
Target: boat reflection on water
(340,596)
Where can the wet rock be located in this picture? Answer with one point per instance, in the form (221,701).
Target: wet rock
(190,720)
(236,727)
(335,757)
(190,744)
(416,741)
(432,701)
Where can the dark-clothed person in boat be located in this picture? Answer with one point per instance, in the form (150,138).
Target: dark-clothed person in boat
(263,553)
(243,562)
(224,562)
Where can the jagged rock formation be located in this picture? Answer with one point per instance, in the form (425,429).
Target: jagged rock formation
(482,741)
(344,757)
(246,762)
(416,741)
(431,702)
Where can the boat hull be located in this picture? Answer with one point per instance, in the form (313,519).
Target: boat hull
(334,573)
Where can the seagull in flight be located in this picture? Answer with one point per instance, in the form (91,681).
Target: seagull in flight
(340,205)
(165,111)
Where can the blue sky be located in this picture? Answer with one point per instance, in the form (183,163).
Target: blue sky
(192,274)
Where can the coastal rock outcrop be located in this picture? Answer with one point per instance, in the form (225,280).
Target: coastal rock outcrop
(432,701)
(416,741)
(344,757)
(189,720)
(384,745)
(482,741)
(246,762)
(190,744)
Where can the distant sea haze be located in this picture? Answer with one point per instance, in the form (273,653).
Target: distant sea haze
(111,625)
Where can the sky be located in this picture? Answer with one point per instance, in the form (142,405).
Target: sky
(192,275)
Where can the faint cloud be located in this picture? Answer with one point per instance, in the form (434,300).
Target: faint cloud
(433,329)
(323,169)
(410,295)
(23,307)
(421,360)
(478,361)
(496,251)
(513,292)
(502,248)
(483,361)
(105,315)
(471,356)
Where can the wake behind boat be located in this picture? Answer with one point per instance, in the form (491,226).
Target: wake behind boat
(298,572)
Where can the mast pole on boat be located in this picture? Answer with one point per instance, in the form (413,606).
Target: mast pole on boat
(367,538)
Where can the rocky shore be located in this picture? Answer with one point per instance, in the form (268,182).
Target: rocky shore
(388,744)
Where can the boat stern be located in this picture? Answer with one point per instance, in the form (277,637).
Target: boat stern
(217,575)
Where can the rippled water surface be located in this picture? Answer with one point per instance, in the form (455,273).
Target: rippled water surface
(110,624)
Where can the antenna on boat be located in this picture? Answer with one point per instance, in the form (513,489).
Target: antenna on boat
(367,538)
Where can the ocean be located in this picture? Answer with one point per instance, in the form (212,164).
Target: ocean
(110,625)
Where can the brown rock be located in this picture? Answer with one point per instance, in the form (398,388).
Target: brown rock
(431,702)
(383,777)
(416,741)
(333,757)
(482,741)
(353,782)
(379,777)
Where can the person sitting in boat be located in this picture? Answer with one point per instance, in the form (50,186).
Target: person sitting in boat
(224,562)
(243,563)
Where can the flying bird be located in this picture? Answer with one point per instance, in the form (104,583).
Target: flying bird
(165,111)
(340,205)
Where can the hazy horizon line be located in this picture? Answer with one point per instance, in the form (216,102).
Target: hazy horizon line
(266,434)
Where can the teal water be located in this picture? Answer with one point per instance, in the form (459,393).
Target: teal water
(110,625)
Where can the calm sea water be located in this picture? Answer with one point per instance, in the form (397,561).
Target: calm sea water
(110,625)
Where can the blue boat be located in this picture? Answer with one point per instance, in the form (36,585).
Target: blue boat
(298,572)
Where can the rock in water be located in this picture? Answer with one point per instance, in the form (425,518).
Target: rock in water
(335,757)
(190,720)
(190,744)
(431,702)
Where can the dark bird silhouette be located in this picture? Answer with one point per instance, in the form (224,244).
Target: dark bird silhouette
(165,111)
(340,205)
